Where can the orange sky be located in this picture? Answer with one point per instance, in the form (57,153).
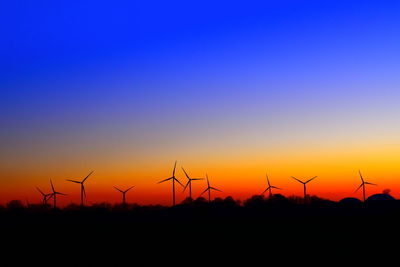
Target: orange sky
(239,175)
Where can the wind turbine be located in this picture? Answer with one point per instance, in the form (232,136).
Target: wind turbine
(124,193)
(173,178)
(83,192)
(363,183)
(55,193)
(209,188)
(269,188)
(305,186)
(189,183)
(45,196)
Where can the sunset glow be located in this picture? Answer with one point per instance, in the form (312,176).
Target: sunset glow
(288,88)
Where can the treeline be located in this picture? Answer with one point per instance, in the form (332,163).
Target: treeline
(254,202)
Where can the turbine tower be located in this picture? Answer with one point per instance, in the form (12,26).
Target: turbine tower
(54,194)
(269,188)
(83,192)
(123,194)
(209,188)
(173,179)
(363,183)
(305,186)
(45,196)
(189,183)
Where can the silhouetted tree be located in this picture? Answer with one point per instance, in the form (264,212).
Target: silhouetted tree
(255,201)
(200,200)
(187,201)
(279,199)
(218,200)
(15,205)
(71,207)
(386,191)
(295,200)
(230,201)
(103,206)
(317,200)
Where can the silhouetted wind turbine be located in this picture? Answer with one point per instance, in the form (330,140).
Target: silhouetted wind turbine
(173,178)
(55,193)
(209,188)
(269,188)
(189,183)
(124,193)
(305,186)
(45,196)
(363,183)
(83,192)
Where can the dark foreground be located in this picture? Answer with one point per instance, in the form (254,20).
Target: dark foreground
(192,233)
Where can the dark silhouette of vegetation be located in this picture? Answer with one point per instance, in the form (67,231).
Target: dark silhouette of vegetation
(255,202)
(273,224)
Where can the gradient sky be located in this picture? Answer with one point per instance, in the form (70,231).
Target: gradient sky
(232,88)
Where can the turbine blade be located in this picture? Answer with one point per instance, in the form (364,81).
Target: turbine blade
(73,181)
(213,188)
(298,180)
(84,191)
(276,187)
(87,176)
(208,182)
(40,191)
(187,176)
(186,185)
(196,179)
(205,191)
(311,179)
(118,189)
(362,179)
(129,188)
(264,191)
(60,193)
(165,180)
(369,183)
(267,179)
(173,172)
(52,186)
(178,182)
(359,187)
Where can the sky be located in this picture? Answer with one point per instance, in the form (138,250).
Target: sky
(234,89)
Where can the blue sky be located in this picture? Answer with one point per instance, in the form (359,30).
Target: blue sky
(49,38)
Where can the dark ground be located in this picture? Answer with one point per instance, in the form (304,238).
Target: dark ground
(193,233)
